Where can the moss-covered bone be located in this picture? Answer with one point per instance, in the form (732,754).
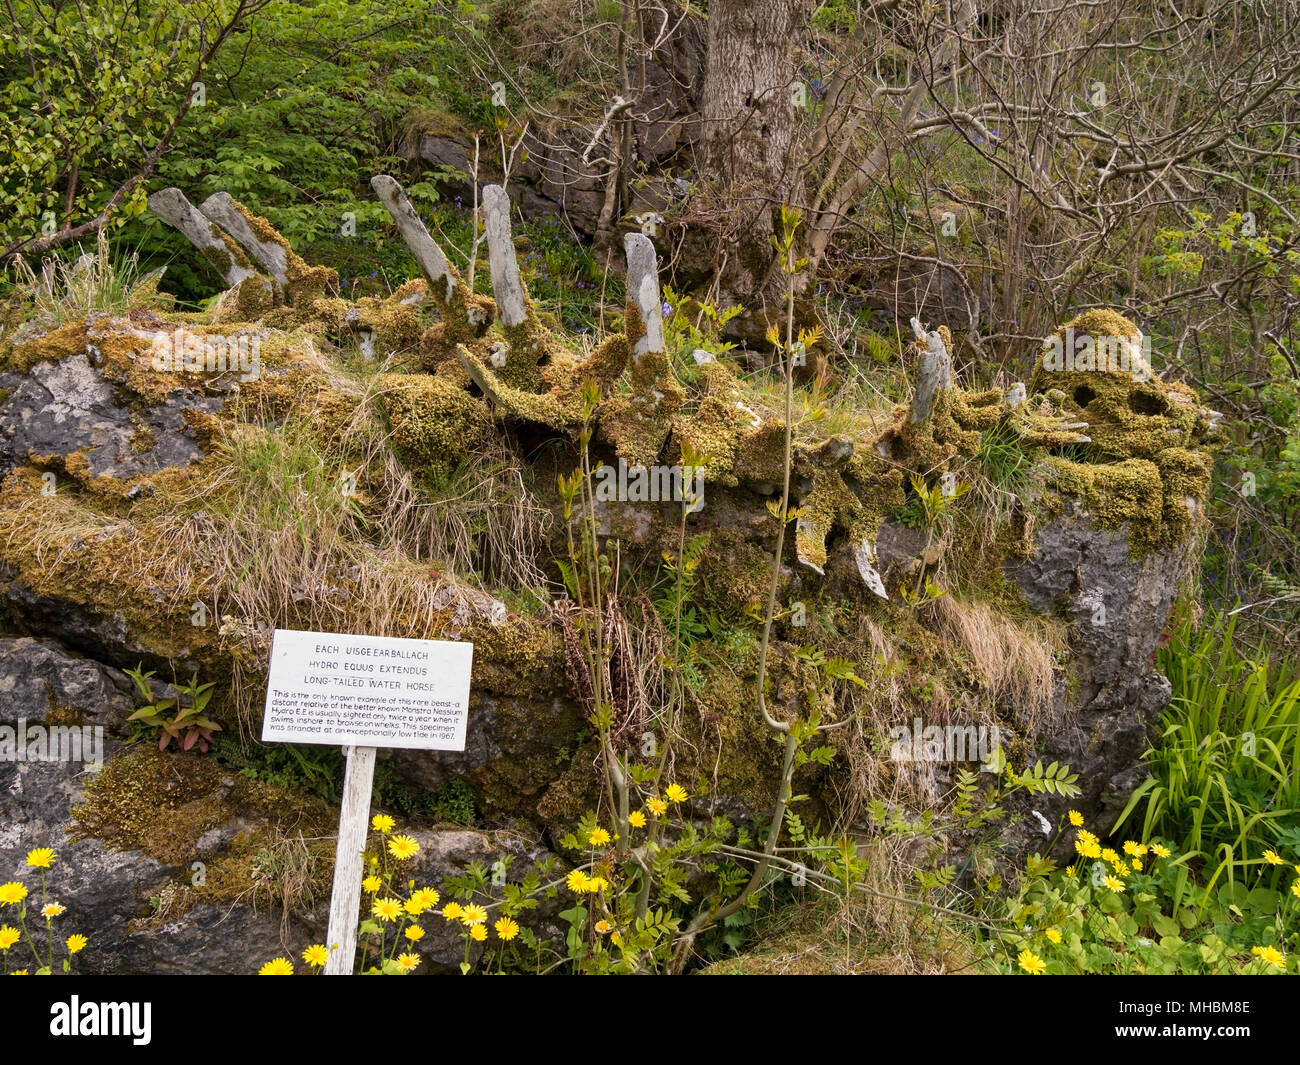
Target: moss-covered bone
(173,208)
(271,251)
(465,316)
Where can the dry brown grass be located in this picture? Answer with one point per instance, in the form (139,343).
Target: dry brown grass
(1014,661)
(864,935)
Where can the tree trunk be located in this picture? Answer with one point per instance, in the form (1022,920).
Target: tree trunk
(746,166)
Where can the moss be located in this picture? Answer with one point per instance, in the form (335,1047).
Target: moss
(396,326)
(54,346)
(218,258)
(715,428)
(1147,438)
(929,446)
(142,438)
(1125,493)
(160,803)
(65,715)
(104,567)
(519,657)
(638,426)
(433,423)
(527,348)
(254,299)
(305,283)
(831,502)
(606,364)
(760,454)
(735,571)
(465,315)
(558,410)
(1185,476)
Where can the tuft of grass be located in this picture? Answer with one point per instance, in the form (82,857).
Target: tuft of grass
(1223,781)
(66,290)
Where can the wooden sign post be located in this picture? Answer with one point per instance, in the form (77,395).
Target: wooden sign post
(345,897)
(363,692)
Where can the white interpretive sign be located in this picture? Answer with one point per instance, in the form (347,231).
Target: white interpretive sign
(363,692)
(367,691)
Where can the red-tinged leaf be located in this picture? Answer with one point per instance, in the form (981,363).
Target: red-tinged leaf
(188,742)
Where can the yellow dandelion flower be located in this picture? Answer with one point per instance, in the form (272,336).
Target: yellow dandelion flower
(615,938)
(1130,847)
(19,972)
(1269,856)
(636,819)
(478,932)
(1087,849)
(597,883)
(371,884)
(473,915)
(1108,855)
(1032,963)
(452,910)
(676,793)
(387,909)
(408,961)
(1141,851)
(506,929)
(382,823)
(40,858)
(403,847)
(1271,955)
(8,937)
(12,892)
(1086,837)
(1159,851)
(657,807)
(427,898)
(1137,864)
(414,932)
(316,955)
(577,881)
(276,967)
(603,926)
(1295,889)
(414,906)
(598,838)
(1072,872)
(1053,935)
(1076,818)
(1114,883)
(54,909)
(75,943)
